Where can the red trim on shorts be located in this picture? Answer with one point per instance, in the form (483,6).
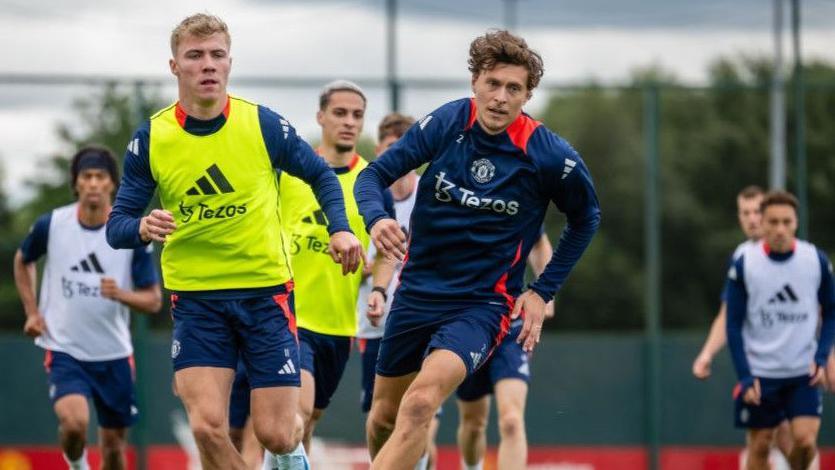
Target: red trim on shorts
(362,345)
(737,391)
(521,130)
(174,299)
(132,363)
(47,360)
(284,305)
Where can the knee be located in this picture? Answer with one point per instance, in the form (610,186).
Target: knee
(419,406)
(74,427)
(278,441)
(760,445)
(473,427)
(112,442)
(381,418)
(805,442)
(511,425)
(209,430)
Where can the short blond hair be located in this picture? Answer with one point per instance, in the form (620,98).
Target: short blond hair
(201,25)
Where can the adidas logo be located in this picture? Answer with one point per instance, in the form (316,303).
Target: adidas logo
(288,368)
(318,218)
(133,147)
(569,165)
(89,265)
(476,357)
(786,294)
(423,122)
(203,186)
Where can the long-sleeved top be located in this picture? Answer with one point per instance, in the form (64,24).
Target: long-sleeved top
(480,205)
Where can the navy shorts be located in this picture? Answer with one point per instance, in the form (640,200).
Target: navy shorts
(109,383)
(260,330)
(781,399)
(471,331)
(368,348)
(324,356)
(239,399)
(508,361)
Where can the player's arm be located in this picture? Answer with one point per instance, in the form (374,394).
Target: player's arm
(412,150)
(126,227)
(826,298)
(737,307)
(146,296)
(382,272)
(26,274)
(574,195)
(713,344)
(289,152)
(537,259)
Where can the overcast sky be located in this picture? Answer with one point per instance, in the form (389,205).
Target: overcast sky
(579,39)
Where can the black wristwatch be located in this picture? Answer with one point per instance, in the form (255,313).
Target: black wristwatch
(382,292)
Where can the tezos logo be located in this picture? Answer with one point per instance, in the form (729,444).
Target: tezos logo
(483,170)
(444,190)
(175,349)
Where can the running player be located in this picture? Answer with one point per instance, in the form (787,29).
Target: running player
(325,299)
(82,319)
(775,290)
(492,172)
(213,157)
(506,375)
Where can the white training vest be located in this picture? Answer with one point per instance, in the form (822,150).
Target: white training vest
(403,211)
(780,329)
(80,322)
(741,248)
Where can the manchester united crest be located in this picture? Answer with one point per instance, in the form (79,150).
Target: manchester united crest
(482,170)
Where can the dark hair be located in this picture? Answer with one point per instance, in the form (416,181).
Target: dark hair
(778,198)
(750,192)
(500,46)
(395,124)
(335,86)
(93,156)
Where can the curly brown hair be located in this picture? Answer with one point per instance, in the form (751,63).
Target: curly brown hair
(500,46)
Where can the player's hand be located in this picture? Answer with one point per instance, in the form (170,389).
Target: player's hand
(367,268)
(35,325)
(534,307)
(156,226)
(109,289)
(549,310)
(389,239)
(346,250)
(376,307)
(701,366)
(816,375)
(753,394)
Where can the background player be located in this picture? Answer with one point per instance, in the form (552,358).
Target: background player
(492,173)
(82,320)
(325,299)
(775,291)
(212,158)
(506,375)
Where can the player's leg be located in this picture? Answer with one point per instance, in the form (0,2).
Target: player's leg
(113,443)
(783,439)
(69,389)
(114,396)
(275,418)
(804,409)
(251,450)
(205,394)
(73,417)
(431,447)
(388,392)
(441,372)
(205,357)
(472,431)
(511,395)
(758,446)
(323,360)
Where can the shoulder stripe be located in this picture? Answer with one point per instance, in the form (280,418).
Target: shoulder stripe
(521,130)
(471,119)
